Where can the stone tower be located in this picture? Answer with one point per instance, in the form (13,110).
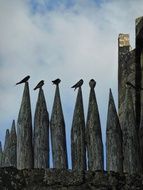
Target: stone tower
(139,80)
(126,71)
(130,69)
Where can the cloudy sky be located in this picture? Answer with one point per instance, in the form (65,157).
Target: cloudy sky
(66,39)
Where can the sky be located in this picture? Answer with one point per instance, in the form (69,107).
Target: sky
(66,39)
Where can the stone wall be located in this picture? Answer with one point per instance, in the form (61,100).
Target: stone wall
(55,179)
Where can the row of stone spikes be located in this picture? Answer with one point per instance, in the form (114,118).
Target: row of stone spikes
(122,146)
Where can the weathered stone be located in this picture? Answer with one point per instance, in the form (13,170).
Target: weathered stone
(63,177)
(6,151)
(93,135)
(58,134)
(131,163)
(39,179)
(24,132)
(6,142)
(139,68)
(41,133)
(1,153)
(78,149)
(114,154)
(13,146)
(126,72)
(140,134)
(139,65)
(123,54)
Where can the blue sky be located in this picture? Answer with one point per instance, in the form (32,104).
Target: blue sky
(67,39)
(44,5)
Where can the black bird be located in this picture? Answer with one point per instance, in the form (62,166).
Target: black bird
(39,85)
(133,86)
(56,82)
(92,83)
(78,84)
(23,80)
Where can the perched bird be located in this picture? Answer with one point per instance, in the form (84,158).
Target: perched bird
(78,84)
(23,80)
(133,86)
(56,82)
(92,83)
(39,85)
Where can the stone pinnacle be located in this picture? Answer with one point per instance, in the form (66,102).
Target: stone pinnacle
(13,146)
(24,132)
(5,158)
(58,134)
(114,154)
(93,133)
(78,149)
(41,133)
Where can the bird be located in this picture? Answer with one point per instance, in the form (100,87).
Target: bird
(23,80)
(78,84)
(92,83)
(39,85)
(56,82)
(133,86)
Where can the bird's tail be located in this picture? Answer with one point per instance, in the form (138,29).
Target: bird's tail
(17,83)
(74,87)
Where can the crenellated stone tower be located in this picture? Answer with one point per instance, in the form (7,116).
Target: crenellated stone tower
(130,69)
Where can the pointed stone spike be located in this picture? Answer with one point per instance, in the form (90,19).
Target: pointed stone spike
(131,163)
(5,157)
(0,147)
(93,135)
(6,144)
(58,134)
(24,132)
(41,133)
(13,134)
(114,154)
(78,149)
(13,146)
(1,153)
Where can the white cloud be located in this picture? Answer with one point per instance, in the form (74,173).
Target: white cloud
(78,42)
